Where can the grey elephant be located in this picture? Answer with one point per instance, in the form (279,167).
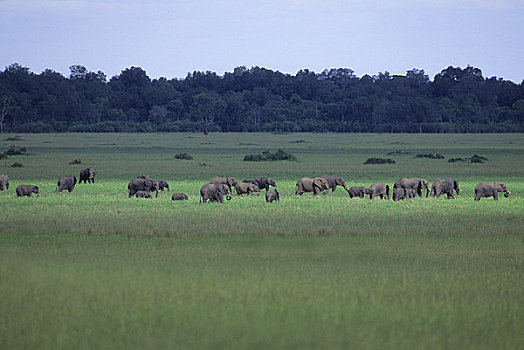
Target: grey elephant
(162,184)
(143,194)
(179,197)
(358,191)
(490,189)
(414,183)
(263,182)
(67,182)
(27,190)
(334,181)
(246,188)
(4,182)
(272,195)
(400,193)
(309,184)
(214,193)
(444,186)
(379,190)
(88,175)
(227,180)
(142,184)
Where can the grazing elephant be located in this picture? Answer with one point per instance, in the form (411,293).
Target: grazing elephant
(162,184)
(142,184)
(143,194)
(357,191)
(309,184)
(179,197)
(263,182)
(229,181)
(26,190)
(272,195)
(413,183)
(214,193)
(400,193)
(246,188)
(335,181)
(490,189)
(444,185)
(88,175)
(66,183)
(379,190)
(4,182)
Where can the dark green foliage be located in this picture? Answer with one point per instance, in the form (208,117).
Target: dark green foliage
(3,155)
(396,152)
(75,162)
(266,156)
(17,165)
(184,156)
(16,151)
(430,155)
(298,141)
(13,138)
(474,159)
(379,161)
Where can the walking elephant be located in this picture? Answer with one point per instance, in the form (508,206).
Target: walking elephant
(379,190)
(444,186)
(415,183)
(358,191)
(490,189)
(88,175)
(214,193)
(26,190)
(400,193)
(67,182)
(227,180)
(142,184)
(315,185)
(263,182)
(162,184)
(4,182)
(246,188)
(272,195)
(334,181)
(179,197)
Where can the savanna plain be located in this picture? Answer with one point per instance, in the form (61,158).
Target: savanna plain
(94,269)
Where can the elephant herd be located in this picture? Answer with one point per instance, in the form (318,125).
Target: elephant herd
(221,187)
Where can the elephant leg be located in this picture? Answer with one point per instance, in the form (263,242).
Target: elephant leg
(496,195)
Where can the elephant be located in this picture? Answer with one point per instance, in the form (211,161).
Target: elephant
(142,184)
(490,189)
(415,183)
(143,194)
(179,197)
(162,184)
(315,185)
(272,195)
(335,181)
(26,190)
(4,182)
(444,185)
(246,188)
(214,192)
(356,191)
(263,182)
(88,175)
(66,183)
(379,190)
(229,181)
(400,193)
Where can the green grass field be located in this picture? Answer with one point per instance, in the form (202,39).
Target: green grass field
(94,269)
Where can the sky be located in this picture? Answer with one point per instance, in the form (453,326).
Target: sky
(172,38)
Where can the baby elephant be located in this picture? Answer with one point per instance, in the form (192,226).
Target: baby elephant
(356,191)
(143,194)
(179,197)
(246,188)
(26,190)
(162,184)
(272,195)
(4,182)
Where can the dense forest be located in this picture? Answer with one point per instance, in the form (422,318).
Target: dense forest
(259,99)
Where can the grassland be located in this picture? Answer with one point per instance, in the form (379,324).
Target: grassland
(95,269)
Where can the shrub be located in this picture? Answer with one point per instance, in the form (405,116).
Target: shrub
(379,161)
(13,138)
(75,162)
(267,156)
(16,151)
(397,152)
(184,156)
(474,159)
(3,155)
(17,165)
(430,155)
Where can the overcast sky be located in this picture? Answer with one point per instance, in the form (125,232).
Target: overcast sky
(172,38)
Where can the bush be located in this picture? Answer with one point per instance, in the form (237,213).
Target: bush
(75,162)
(13,138)
(379,161)
(474,159)
(267,156)
(184,156)
(16,151)
(397,152)
(430,155)
(3,155)
(17,165)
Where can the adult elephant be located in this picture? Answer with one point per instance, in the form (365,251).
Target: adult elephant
(67,182)
(27,190)
(309,184)
(246,188)
(156,184)
(142,184)
(88,175)
(414,183)
(229,181)
(4,182)
(358,191)
(214,193)
(263,182)
(379,190)
(490,189)
(444,186)
(334,181)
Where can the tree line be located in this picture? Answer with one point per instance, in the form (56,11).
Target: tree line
(259,99)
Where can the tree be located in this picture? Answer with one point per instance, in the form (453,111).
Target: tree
(206,108)
(157,115)
(4,111)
